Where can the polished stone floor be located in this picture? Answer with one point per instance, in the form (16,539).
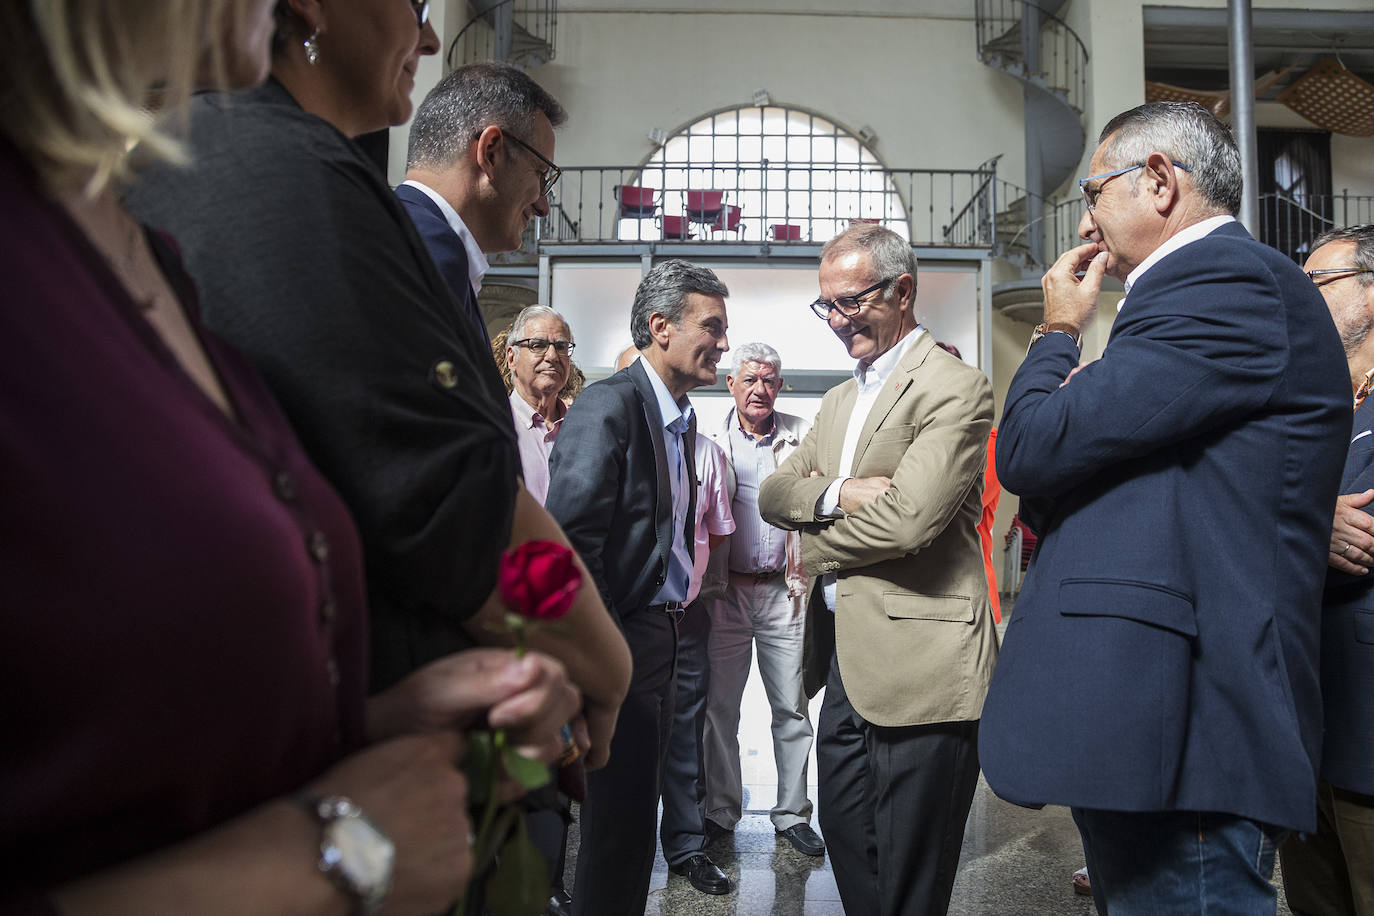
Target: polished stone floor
(1015,862)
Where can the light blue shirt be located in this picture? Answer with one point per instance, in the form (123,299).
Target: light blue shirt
(756,546)
(676,418)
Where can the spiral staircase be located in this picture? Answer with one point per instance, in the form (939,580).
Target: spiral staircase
(1030,43)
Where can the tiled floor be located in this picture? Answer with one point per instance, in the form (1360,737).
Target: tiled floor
(1015,862)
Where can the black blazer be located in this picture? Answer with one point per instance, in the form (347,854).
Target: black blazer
(445,248)
(1348,642)
(609,488)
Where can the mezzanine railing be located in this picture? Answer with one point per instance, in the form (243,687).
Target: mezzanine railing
(759,204)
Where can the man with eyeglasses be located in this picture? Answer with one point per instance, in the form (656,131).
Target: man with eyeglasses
(539,356)
(1332,870)
(886,491)
(623,485)
(1159,674)
(478,170)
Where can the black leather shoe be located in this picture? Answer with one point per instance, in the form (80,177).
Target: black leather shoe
(704,874)
(804,840)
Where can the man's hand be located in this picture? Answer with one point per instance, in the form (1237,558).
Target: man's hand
(1068,299)
(1352,535)
(857,492)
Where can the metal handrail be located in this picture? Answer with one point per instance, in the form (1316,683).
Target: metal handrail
(1001,20)
(535,19)
(932,207)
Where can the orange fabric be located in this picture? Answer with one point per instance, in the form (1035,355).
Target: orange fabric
(992,491)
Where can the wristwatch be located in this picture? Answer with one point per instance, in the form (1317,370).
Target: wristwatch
(354,852)
(1067,330)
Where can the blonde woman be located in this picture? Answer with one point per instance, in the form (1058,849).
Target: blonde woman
(182,618)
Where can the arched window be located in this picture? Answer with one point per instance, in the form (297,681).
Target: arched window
(765,174)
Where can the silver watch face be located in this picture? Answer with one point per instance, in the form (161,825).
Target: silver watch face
(360,853)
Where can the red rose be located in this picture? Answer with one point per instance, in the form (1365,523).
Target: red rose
(539,579)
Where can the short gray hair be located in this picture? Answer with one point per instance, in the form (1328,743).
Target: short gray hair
(665,290)
(891,254)
(756,352)
(1185,132)
(1363,237)
(528,314)
(469,99)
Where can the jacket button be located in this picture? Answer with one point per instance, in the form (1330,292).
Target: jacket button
(284,485)
(446,374)
(319,546)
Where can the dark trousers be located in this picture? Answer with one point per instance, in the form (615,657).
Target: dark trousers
(683,829)
(893,803)
(616,855)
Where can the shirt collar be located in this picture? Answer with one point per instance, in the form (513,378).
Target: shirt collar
(882,368)
(525,414)
(667,407)
(1184,236)
(477,261)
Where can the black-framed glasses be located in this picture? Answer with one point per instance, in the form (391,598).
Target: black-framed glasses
(421,8)
(1328,271)
(538,345)
(550,177)
(1090,195)
(848,305)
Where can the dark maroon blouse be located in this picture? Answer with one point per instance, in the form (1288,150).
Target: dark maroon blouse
(182,622)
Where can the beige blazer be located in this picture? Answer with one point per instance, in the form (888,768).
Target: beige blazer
(913,626)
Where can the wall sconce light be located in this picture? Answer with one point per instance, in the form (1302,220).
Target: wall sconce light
(658,136)
(761,98)
(868,135)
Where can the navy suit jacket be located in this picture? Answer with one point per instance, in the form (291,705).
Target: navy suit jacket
(1163,652)
(445,248)
(1348,642)
(609,488)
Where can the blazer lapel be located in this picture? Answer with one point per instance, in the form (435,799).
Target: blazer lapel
(835,441)
(892,392)
(663,508)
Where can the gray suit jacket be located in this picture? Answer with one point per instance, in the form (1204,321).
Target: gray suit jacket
(609,488)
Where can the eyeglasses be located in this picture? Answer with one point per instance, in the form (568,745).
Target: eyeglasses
(421,8)
(550,177)
(848,305)
(537,345)
(1328,271)
(1090,195)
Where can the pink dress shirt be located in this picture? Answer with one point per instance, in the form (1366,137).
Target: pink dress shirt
(535,437)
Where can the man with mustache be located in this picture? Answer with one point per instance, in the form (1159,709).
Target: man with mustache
(887,492)
(762,607)
(623,487)
(539,357)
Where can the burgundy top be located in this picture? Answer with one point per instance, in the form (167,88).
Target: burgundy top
(182,622)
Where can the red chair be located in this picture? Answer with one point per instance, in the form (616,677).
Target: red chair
(704,206)
(786,232)
(636,202)
(727,220)
(676,227)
